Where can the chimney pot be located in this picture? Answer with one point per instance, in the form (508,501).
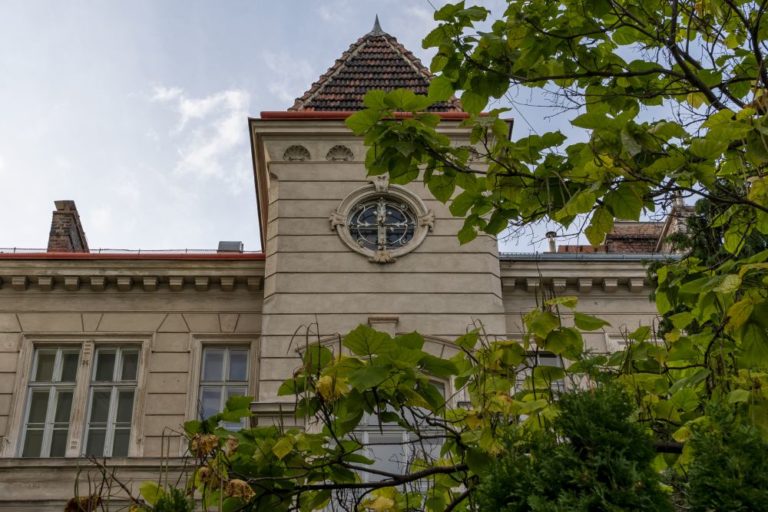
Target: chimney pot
(551,235)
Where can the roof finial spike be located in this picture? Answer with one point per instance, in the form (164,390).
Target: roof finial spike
(376,28)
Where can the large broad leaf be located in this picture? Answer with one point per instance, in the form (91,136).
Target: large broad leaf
(541,323)
(754,349)
(588,322)
(364,341)
(368,377)
(438,367)
(151,492)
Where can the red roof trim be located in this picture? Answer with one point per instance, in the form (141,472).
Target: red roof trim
(327,115)
(146,257)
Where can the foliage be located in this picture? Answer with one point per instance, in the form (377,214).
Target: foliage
(673,96)
(730,471)
(592,458)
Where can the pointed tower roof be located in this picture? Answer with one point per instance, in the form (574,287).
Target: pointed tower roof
(376,61)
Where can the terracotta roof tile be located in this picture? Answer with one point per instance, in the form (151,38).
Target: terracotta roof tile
(376,61)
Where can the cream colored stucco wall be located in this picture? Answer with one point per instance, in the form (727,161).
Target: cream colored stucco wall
(169,308)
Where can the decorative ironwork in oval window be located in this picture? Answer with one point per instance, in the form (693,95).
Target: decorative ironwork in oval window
(382,222)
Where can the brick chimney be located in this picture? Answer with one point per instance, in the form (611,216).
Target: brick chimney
(67,233)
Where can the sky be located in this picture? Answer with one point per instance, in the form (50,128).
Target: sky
(138,110)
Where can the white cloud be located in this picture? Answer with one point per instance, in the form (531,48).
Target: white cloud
(290,76)
(211,133)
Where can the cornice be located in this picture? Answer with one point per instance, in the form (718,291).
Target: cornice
(582,275)
(130,275)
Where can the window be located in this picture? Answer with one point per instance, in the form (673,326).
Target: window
(80,400)
(224,374)
(111,398)
(382,221)
(49,402)
(535,359)
(392,448)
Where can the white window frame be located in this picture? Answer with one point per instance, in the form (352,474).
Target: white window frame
(55,387)
(408,450)
(233,341)
(114,386)
(522,374)
(615,342)
(13,442)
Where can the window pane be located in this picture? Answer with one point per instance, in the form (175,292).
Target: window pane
(38,406)
(69,366)
(63,407)
(120,444)
(105,365)
(100,406)
(387,452)
(213,365)
(95,444)
(238,365)
(124,406)
(59,443)
(130,363)
(32,443)
(45,362)
(210,401)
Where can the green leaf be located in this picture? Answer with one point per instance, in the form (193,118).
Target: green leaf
(151,492)
(588,322)
(362,121)
(368,377)
(565,341)
(411,340)
(441,186)
(317,357)
(440,89)
(364,341)
(282,447)
(754,350)
(438,367)
(739,312)
(541,323)
(738,396)
(473,102)
(468,341)
(193,427)
(238,403)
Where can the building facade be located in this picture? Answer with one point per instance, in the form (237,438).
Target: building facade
(109,354)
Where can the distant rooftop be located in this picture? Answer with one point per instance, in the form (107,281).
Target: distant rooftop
(376,61)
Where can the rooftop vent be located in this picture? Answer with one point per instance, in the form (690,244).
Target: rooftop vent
(230,247)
